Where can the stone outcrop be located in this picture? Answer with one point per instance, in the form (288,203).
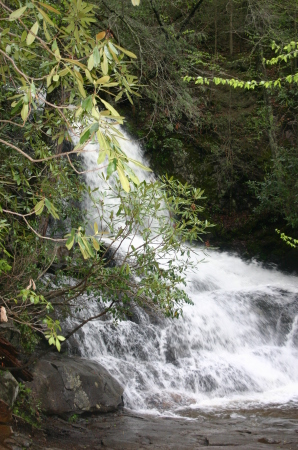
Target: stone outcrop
(65,385)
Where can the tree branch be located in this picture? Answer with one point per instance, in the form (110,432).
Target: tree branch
(188,18)
(88,320)
(159,20)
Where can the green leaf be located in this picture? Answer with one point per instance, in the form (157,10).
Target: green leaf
(70,242)
(124,181)
(61,338)
(82,248)
(51,208)
(78,112)
(101,140)
(131,174)
(109,107)
(81,88)
(85,136)
(17,13)
(87,103)
(111,167)
(113,48)
(95,244)
(46,17)
(63,72)
(45,29)
(96,57)
(127,52)
(32,33)
(88,76)
(105,65)
(94,127)
(38,208)
(137,163)
(95,113)
(87,247)
(91,62)
(103,80)
(24,112)
(58,345)
(101,157)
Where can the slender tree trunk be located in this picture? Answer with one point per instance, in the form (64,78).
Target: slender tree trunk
(271,122)
(216,31)
(295,28)
(231,26)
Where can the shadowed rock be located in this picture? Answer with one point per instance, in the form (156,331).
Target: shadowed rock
(65,385)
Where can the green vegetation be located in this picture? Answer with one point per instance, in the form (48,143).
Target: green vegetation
(240,145)
(59,74)
(75,69)
(27,408)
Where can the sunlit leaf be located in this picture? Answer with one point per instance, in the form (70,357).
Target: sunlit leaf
(101,157)
(32,33)
(38,208)
(137,163)
(105,65)
(24,112)
(103,80)
(127,52)
(17,13)
(95,244)
(109,107)
(123,179)
(91,62)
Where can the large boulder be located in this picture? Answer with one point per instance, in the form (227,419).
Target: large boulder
(65,385)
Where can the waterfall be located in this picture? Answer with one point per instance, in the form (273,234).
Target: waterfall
(237,346)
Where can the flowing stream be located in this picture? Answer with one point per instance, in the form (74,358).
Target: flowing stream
(236,347)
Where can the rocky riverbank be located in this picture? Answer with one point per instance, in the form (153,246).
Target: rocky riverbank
(242,430)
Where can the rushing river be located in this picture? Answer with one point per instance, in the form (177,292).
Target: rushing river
(235,348)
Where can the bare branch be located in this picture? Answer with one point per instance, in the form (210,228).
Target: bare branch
(188,18)
(158,18)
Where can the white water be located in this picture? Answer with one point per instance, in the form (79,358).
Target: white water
(237,346)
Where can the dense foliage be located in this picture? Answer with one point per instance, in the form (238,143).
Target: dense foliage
(211,86)
(59,74)
(239,144)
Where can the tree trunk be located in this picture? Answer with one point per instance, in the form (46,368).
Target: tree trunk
(215,31)
(231,27)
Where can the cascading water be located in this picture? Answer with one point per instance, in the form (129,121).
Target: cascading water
(237,346)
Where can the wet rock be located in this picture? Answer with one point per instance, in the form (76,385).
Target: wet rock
(9,389)
(66,386)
